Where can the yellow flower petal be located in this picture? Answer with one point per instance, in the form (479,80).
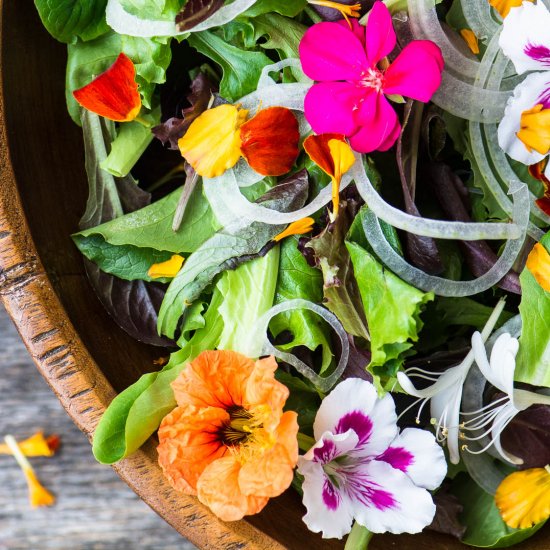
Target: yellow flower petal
(538,263)
(471,39)
(504,6)
(523,498)
(168,269)
(343,158)
(36,445)
(299,227)
(345,9)
(212,144)
(535,129)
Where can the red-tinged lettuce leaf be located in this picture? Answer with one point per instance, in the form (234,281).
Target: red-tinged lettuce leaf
(195,12)
(170,131)
(528,436)
(132,304)
(447,513)
(421,251)
(452,195)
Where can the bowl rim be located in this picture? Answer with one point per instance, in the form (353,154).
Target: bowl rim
(74,376)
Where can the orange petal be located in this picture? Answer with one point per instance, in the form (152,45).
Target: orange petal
(538,263)
(213,379)
(114,93)
(212,144)
(270,141)
(167,269)
(318,151)
(271,472)
(299,227)
(523,498)
(471,39)
(36,445)
(218,488)
(504,6)
(189,443)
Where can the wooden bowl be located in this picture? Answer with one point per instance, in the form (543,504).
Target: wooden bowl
(79,350)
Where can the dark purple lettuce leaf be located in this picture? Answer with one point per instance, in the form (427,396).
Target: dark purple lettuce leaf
(195,12)
(447,512)
(528,436)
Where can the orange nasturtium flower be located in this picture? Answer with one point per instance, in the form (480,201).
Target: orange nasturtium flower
(537,171)
(218,138)
(504,6)
(228,441)
(523,498)
(36,445)
(538,263)
(114,93)
(299,227)
(334,156)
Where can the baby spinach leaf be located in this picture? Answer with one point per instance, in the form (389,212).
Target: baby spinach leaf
(67,20)
(241,68)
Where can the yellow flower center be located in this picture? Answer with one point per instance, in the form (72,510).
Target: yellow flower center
(535,129)
(346,10)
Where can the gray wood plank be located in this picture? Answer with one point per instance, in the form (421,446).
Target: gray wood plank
(94,508)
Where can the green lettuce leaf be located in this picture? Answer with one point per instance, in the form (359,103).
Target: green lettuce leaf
(153,9)
(67,20)
(289,8)
(392,308)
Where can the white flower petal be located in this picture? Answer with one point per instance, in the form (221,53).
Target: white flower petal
(416,453)
(503,362)
(386,500)
(329,447)
(445,408)
(526,95)
(354,404)
(328,510)
(503,418)
(525,38)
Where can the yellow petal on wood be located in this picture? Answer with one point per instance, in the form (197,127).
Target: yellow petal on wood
(168,269)
(523,498)
(343,158)
(538,263)
(299,227)
(36,445)
(471,39)
(212,144)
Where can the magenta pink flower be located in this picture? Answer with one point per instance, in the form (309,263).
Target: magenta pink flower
(349,96)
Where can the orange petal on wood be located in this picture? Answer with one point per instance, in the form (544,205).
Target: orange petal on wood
(114,93)
(270,141)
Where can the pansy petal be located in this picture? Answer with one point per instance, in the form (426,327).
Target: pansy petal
(212,144)
(330,107)
(417,454)
(354,405)
(114,93)
(379,125)
(329,52)
(380,34)
(329,510)
(386,500)
(534,90)
(525,38)
(269,141)
(416,72)
(328,447)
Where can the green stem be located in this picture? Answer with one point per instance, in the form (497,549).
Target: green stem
(305,442)
(359,538)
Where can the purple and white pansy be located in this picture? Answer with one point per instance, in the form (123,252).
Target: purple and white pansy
(361,468)
(525,39)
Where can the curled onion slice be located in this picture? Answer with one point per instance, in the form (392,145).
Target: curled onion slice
(294,62)
(479,15)
(323,383)
(125,23)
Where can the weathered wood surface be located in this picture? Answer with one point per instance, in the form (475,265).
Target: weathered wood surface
(94,508)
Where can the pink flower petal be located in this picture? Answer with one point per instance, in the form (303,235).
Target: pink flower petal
(330,106)
(379,125)
(329,52)
(416,73)
(357,29)
(380,34)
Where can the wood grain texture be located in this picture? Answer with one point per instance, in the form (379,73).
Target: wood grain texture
(79,350)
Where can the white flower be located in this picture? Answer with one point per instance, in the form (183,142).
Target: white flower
(525,39)
(363,469)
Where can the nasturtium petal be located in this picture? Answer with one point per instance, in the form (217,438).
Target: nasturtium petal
(318,150)
(269,141)
(538,263)
(212,144)
(114,93)
(168,269)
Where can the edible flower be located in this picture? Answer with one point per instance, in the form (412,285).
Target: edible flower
(168,269)
(361,468)
(523,132)
(504,6)
(36,445)
(523,498)
(38,495)
(114,93)
(299,227)
(347,10)
(538,263)
(334,156)
(354,78)
(228,441)
(537,171)
(471,40)
(218,138)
